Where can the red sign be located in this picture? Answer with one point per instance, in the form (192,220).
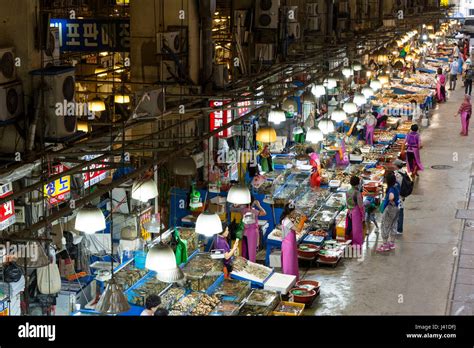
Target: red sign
(220,118)
(7,209)
(93,177)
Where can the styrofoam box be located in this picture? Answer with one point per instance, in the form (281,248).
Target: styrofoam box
(218,200)
(275,259)
(280,282)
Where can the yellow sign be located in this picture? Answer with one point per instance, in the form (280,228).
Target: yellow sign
(58,190)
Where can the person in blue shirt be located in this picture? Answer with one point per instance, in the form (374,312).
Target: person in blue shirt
(460,65)
(390,210)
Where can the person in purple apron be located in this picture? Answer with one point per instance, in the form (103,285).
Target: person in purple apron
(251,230)
(413,146)
(465,110)
(440,86)
(289,249)
(221,243)
(370,123)
(355,213)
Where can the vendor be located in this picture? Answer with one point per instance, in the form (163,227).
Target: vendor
(151,305)
(251,230)
(315,180)
(289,251)
(370,123)
(221,243)
(265,158)
(355,214)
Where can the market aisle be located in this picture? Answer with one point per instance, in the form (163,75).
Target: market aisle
(416,278)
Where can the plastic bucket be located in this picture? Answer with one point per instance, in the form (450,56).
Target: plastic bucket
(140,259)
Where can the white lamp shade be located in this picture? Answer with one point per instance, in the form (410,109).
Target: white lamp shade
(239,195)
(357,67)
(208,224)
(162,260)
(276,116)
(122,99)
(89,220)
(347,72)
(112,300)
(318,90)
(143,191)
(375,85)
(338,115)
(314,136)
(368,92)
(332,82)
(350,108)
(326,126)
(359,99)
(333,102)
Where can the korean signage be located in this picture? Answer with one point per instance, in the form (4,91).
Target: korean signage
(96,174)
(93,35)
(59,190)
(244,107)
(145,216)
(7,209)
(219,118)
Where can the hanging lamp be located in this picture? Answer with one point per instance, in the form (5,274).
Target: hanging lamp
(314,136)
(350,108)
(89,219)
(276,116)
(143,191)
(375,85)
(266,135)
(112,300)
(326,126)
(357,67)
(338,115)
(96,105)
(318,90)
(347,72)
(184,166)
(208,224)
(162,260)
(330,82)
(359,99)
(239,194)
(122,96)
(368,92)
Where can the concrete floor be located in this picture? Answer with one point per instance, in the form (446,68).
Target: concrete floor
(416,278)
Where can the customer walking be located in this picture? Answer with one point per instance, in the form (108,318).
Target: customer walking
(468,75)
(453,73)
(440,86)
(413,146)
(465,110)
(355,213)
(401,175)
(390,213)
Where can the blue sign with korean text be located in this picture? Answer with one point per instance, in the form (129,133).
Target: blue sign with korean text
(93,35)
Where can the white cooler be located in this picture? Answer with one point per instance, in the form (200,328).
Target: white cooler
(280,282)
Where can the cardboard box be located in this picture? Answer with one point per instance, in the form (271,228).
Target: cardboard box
(217,208)
(66,267)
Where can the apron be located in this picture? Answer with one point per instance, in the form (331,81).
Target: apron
(356,215)
(465,122)
(416,154)
(251,234)
(289,255)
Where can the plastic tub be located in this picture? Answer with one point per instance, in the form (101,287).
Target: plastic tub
(303,295)
(140,259)
(309,284)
